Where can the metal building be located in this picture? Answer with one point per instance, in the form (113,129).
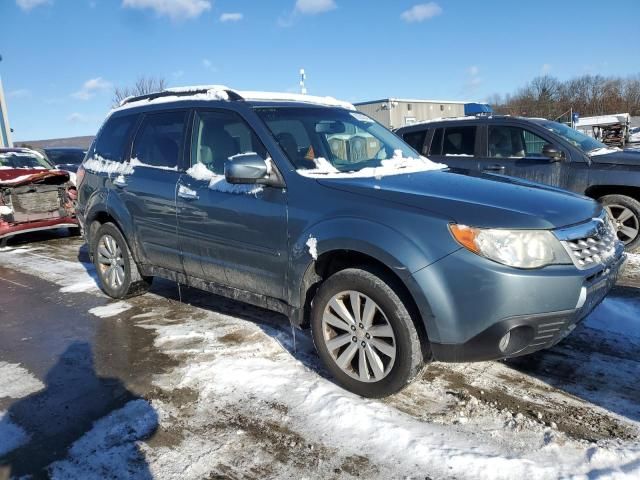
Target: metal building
(398,112)
(5,130)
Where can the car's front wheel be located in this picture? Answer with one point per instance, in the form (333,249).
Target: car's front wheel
(118,274)
(364,333)
(625,213)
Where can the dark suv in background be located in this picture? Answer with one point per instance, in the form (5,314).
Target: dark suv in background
(542,151)
(305,206)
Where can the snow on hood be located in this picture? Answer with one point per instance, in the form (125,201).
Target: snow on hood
(604,151)
(396,165)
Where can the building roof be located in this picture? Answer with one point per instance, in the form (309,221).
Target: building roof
(413,100)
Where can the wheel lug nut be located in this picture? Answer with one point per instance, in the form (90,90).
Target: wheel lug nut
(363,344)
(355,339)
(368,336)
(353,327)
(361,326)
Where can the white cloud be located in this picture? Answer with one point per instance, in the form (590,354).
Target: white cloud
(77,118)
(312,7)
(92,87)
(27,5)
(473,79)
(421,12)
(208,64)
(20,93)
(231,17)
(546,68)
(174,9)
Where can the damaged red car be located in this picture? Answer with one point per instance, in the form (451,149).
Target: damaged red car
(33,194)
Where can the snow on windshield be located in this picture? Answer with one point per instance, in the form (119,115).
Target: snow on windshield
(396,165)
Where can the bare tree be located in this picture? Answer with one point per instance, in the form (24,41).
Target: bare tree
(143,86)
(589,94)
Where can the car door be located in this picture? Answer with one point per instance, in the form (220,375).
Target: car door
(149,191)
(455,145)
(236,233)
(517,151)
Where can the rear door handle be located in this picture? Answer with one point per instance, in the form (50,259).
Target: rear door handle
(494,168)
(187,193)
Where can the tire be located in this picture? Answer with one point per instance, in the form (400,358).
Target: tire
(124,280)
(369,284)
(619,207)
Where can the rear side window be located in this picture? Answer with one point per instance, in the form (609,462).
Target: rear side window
(160,139)
(436,142)
(416,140)
(459,140)
(113,138)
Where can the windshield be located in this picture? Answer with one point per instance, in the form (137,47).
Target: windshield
(65,157)
(334,139)
(580,140)
(23,160)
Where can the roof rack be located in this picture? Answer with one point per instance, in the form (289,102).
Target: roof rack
(233,95)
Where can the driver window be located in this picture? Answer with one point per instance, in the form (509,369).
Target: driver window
(514,142)
(219,135)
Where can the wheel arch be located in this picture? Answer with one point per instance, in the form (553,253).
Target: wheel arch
(598,191)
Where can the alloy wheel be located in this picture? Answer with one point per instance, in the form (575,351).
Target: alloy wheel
(358,336)
(626,222)
(111,262)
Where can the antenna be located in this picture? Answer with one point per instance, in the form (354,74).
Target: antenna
(303,77)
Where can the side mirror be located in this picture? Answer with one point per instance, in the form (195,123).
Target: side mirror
(552,152)
(250,168)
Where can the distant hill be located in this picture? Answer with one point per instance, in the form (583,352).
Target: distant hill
(79,142)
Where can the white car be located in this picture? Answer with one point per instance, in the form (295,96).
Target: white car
(634,135)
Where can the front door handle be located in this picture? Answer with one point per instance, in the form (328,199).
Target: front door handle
(187,193)
(494,168)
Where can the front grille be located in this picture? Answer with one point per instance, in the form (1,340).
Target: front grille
(591,244)
(36,202)
(547,333)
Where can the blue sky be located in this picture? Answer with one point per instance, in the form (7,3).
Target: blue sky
(61,58)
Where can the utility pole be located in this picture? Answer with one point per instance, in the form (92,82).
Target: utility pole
(5,130)
(303,77)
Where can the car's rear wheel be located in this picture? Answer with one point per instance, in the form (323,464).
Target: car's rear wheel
(625,213)
(364,333)
(118,273)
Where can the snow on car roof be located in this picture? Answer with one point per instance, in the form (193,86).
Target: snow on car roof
(221,92)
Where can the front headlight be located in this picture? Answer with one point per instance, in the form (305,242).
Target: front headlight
(515,248)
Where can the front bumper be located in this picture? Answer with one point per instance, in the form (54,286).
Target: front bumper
(8,230)
(539,307)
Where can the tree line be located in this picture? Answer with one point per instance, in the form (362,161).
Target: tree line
(548,97)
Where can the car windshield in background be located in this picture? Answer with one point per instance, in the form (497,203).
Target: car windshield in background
(580,140)
(22,160)
(65,157)
(348,140)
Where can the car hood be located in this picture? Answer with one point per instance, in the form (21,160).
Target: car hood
(476,199)
(15,177)
(624,157)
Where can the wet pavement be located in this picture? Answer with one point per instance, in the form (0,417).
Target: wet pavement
(165,375)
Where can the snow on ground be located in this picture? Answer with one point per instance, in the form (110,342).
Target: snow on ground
(110,310)
(244,402)
(11,435)
(110,448)
(16,381)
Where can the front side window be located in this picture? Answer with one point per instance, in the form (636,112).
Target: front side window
(459,141)
(160,139)
(349,141)
(113,138)
(219,135)
(514,142)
